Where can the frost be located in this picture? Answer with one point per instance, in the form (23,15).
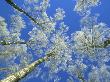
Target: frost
(60,14)
(61,47)
(38,37)
(99,75)
(83,6)
(88,40)
(17,23)
(74,55)
(3,28)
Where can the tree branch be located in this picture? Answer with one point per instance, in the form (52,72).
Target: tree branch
(21,10)
(3,42)
(10,2)
(106,43)
(81,78)
(4,69)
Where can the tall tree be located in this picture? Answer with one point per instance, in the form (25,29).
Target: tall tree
(53,46)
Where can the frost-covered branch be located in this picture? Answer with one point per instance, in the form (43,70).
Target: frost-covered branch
(90,40)
(24,12)
(19,9)
(3,42)
(83,6)
(48,40)
(4,69)
(10,43)
(81,77)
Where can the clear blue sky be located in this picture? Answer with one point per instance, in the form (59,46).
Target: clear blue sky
(72,18)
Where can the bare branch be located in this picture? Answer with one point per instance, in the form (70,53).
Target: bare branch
(106,43)
(81,77)
(4,69)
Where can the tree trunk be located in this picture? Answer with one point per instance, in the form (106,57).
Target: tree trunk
(16,77)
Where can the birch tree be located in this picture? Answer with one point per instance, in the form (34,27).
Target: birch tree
(48,49)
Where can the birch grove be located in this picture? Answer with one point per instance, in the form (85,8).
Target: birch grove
(48,49)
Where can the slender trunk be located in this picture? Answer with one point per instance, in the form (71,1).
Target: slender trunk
(20,9)
(16,77)
(10,2)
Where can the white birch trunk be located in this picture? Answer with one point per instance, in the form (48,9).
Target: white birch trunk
(16,77)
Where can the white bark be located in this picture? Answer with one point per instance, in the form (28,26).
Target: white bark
(16,77)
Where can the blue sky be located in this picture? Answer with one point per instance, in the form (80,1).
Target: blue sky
(72,19)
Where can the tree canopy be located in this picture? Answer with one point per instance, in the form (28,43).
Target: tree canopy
(49,50)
